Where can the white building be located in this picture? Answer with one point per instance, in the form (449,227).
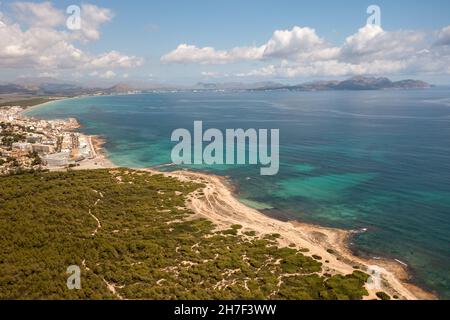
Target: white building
(42,148)
(61,159)
(22,146)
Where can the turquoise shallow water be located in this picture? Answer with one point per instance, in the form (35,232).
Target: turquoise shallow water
(376,159)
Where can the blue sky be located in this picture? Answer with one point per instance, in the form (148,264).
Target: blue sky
(233,23)
(148,30)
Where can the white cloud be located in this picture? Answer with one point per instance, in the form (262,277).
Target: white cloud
(301,52)
(45,46)
(38,14)
(108,74)
(48,75)
(444,36)
(189,53)
(214,74)
(209,74)
(333,68)
(114,59)
(373,43)
(92,17)
(45,15)
(293,43)
(283,43)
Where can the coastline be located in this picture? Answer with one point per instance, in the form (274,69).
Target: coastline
(29,108)
(99,159)
(218,203)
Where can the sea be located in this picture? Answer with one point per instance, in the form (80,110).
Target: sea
(376,162)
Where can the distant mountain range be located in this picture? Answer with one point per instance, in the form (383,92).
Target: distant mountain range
(54,88)
(355,83)
(46,87)
(236,85)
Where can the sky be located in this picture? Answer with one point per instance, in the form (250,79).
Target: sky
(184,42)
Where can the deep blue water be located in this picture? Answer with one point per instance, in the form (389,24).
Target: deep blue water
(374,159)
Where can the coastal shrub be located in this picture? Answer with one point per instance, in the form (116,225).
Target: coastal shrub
(230,232)
(299,264)
(148,245)
(383,295)
(348,287)
(364,277)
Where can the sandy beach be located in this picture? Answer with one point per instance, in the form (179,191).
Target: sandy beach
(100,160)
(52,99)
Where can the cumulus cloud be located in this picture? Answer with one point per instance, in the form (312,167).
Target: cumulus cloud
(114,59)
(373,43)
(92,17)
(209,74)
(283,43)
(43,43)
(189,53)
(207,55)
(301,52)
(48,75)
(38,14)
(108,74)
(293,43)
(444,36)
(332,68)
